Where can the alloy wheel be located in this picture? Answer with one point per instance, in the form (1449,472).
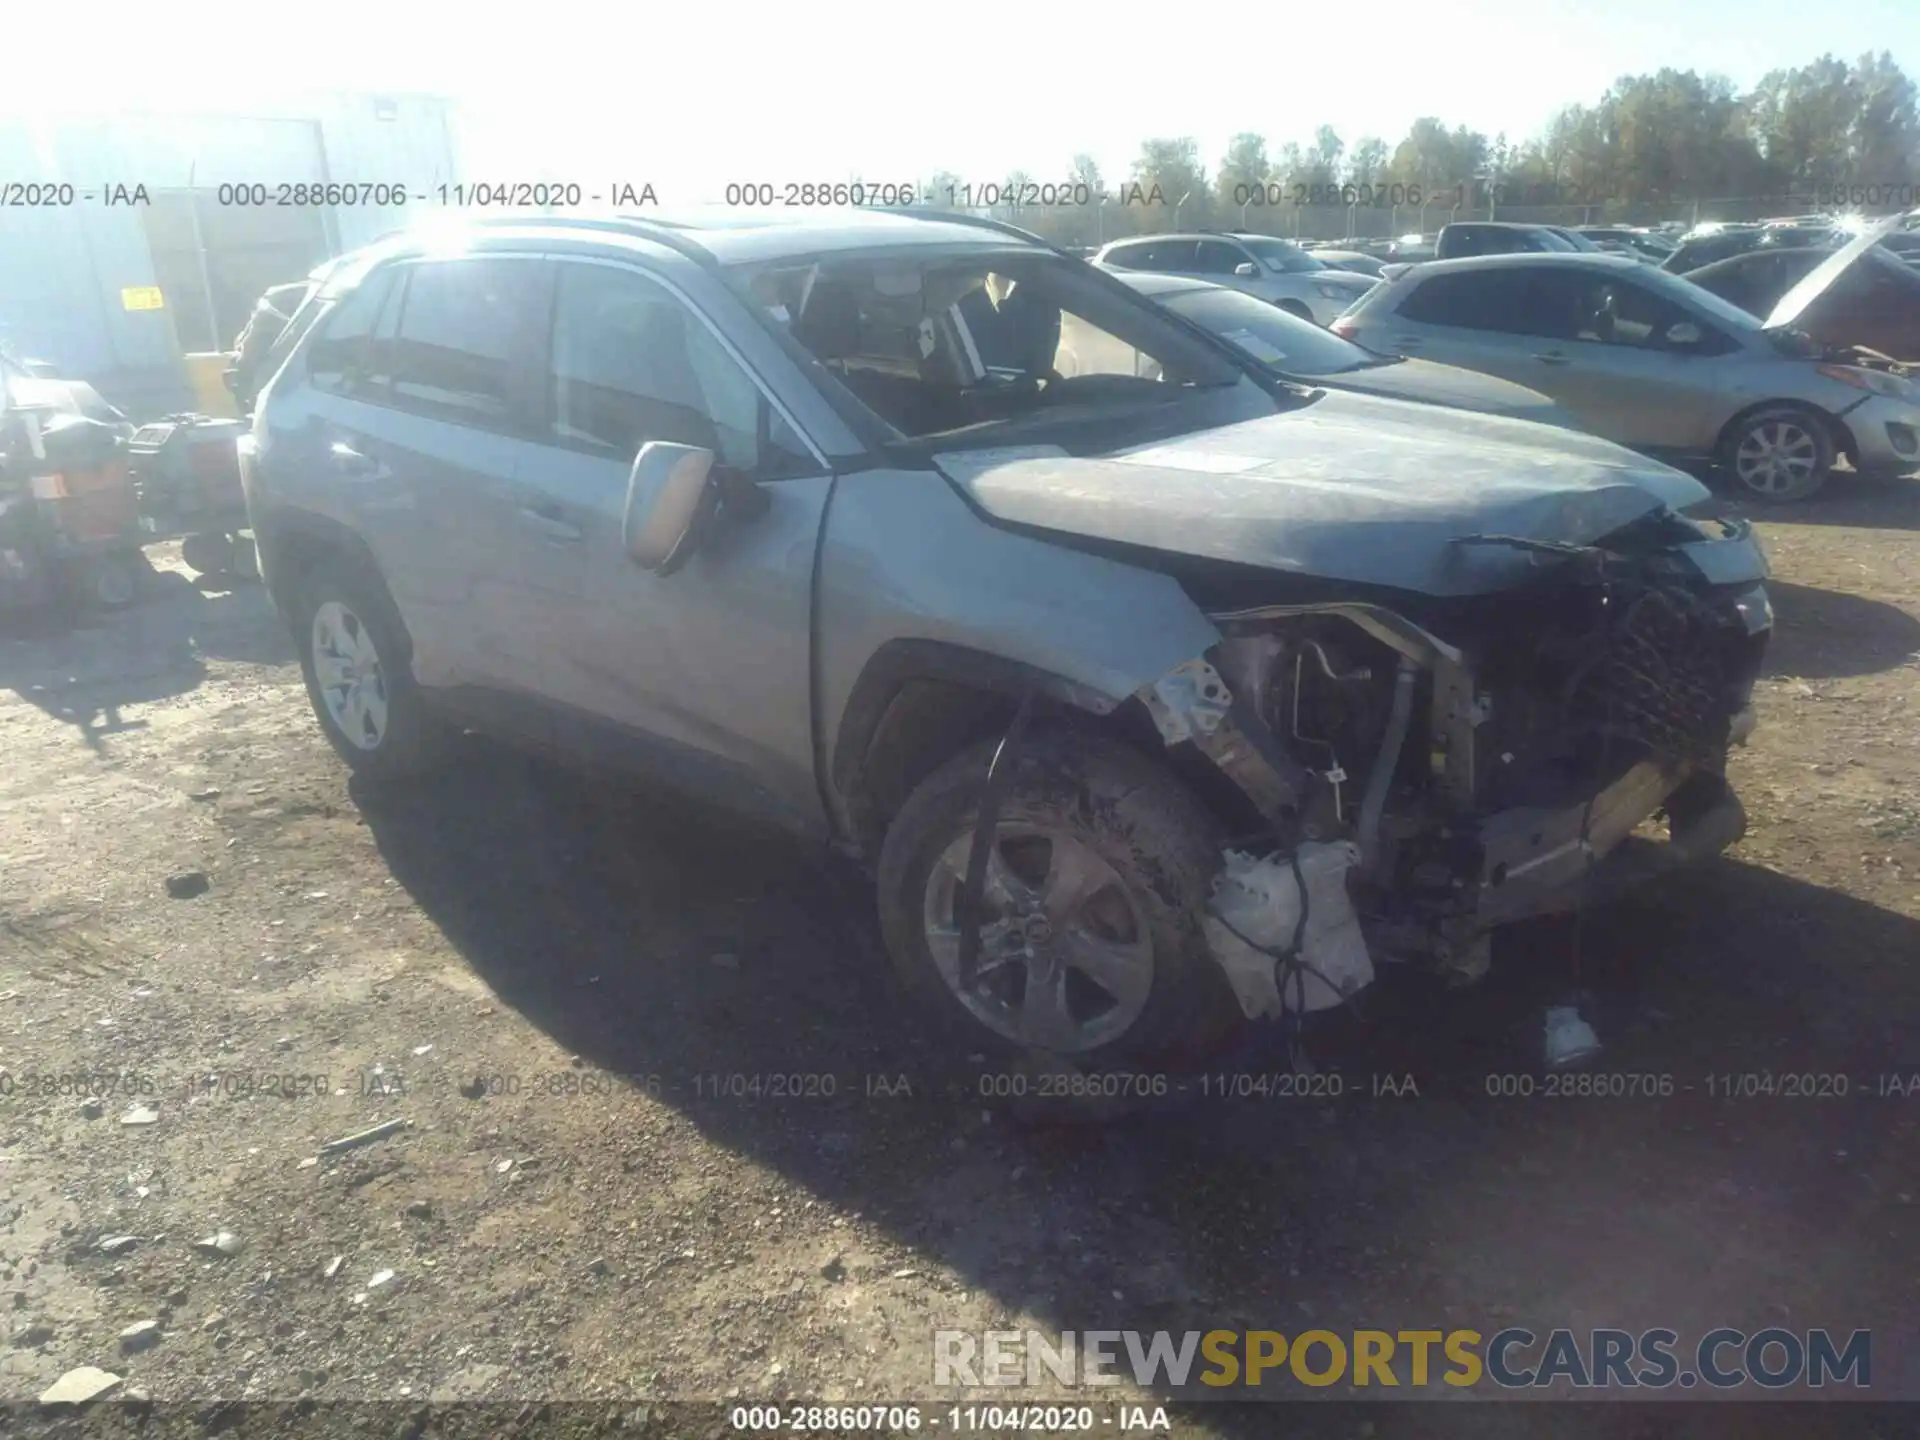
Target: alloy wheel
(1066,959)
(1777,457)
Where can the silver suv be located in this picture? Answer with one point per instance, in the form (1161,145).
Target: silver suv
(1262,265)
(1109,679)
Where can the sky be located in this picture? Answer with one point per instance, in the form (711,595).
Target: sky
(692,96)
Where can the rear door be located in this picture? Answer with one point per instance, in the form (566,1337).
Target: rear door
(1466,317)
(701,678)
(465,392)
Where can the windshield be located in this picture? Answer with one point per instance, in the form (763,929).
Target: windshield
(1268,335)
(1577,241)
(933,343)
(1721,311)
(1281,255)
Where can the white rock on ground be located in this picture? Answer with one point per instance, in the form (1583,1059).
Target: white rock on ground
(76,1387)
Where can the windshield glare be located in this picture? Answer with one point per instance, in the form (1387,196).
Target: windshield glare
(1268,335)
(1280,255)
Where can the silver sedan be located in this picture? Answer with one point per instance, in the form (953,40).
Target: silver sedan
(1297,349)
(1649,360)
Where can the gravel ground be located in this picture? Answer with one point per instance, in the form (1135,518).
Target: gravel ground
(555,986)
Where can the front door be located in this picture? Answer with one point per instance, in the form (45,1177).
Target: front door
(1602,341)
(700,678)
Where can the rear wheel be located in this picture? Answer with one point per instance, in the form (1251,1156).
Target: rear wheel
(353,656)
(1779,454)
(106,582)
(1090,952)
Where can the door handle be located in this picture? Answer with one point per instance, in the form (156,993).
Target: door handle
(548,523)
(1551,357)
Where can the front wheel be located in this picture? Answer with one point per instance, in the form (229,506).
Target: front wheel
(1780,454)
(1091,951)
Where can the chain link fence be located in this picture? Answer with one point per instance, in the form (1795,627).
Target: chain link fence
(1093,225)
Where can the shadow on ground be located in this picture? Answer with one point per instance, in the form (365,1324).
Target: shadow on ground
(649,938)
(1825,634)
(86,668)
(1847,501)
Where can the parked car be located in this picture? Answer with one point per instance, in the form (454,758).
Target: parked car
(1275,270)
(1503,237)
(255,343)
(738,506)
(1495,237)
(1725,243)
(1904,245)
(1653,361)
(1644,244)
(1358,261)
(1875,304)
(1296,349)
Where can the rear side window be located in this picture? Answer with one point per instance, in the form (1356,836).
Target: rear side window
(1157,255)
(340,361)
(1478,300)
(466,331)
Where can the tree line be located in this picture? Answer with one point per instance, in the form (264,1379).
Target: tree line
(1827,135)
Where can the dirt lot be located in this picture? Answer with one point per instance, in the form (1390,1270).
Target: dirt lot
(600,1216)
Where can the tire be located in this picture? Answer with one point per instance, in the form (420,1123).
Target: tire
(106,582)
(209,553)
(1779,454)
(381,726)
(1146,851)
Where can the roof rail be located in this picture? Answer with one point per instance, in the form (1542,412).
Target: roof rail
(983,222)
(665,232)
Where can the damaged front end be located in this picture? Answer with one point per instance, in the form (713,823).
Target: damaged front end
(1456,765)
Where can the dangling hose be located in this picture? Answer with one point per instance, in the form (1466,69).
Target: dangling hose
(1005,756)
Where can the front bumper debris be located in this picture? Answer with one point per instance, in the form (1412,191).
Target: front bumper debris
(1552,862)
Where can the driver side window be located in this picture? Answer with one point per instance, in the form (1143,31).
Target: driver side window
(632,364)
(1217,257)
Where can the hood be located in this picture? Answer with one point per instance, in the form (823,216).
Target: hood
(1350,487)
(1794,303)
(1436,384)
(1351,279)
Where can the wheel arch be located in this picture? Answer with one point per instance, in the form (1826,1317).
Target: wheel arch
(295,542)
(1837,428)
(917,703)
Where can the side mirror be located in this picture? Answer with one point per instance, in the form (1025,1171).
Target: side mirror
(1683,334)
(670,502)
(1247,268)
